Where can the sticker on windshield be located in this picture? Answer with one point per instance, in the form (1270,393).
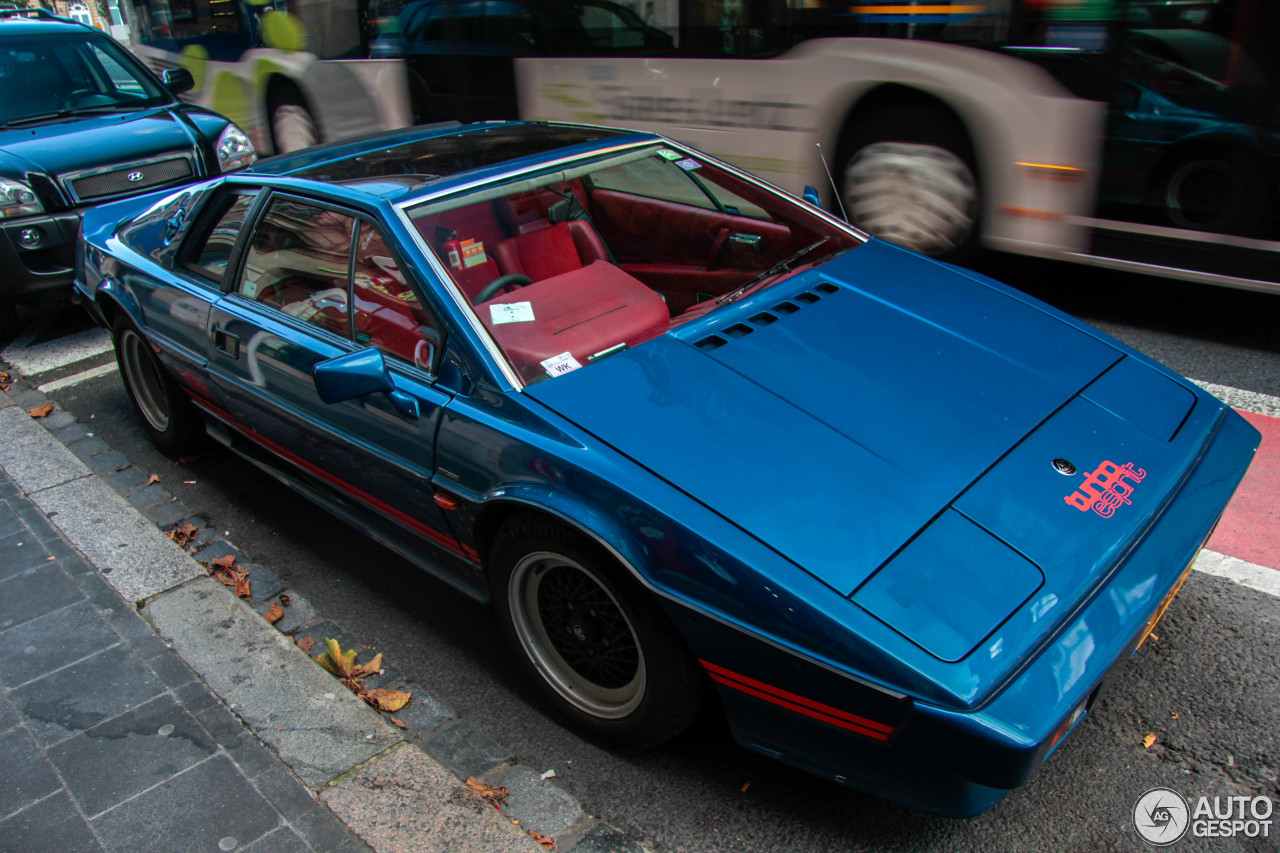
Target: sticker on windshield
(669,154)
(558,364)
(689,165)
(511,312)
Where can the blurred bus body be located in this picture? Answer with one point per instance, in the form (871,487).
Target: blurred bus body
(1136,134)
(290,72)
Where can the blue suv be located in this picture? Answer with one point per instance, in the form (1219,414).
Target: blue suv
(82,121)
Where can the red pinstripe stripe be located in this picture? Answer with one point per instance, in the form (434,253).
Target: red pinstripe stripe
(382,506)
(799,704)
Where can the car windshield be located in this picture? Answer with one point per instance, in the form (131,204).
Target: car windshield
(575,265)
(55,76)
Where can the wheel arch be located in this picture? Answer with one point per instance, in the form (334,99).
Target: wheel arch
(888,96)
(595,526)
(282,89)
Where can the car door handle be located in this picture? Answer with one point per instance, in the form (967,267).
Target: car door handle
(405,404)
(226,342)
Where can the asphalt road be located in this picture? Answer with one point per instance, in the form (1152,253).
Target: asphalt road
(1207,687)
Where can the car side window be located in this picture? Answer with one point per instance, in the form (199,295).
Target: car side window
(211,250)
(387,312)
(299,261)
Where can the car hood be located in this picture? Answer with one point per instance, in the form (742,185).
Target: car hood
(837,413)
(85,143)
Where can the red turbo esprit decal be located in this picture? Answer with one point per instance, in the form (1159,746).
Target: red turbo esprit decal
(1106,488)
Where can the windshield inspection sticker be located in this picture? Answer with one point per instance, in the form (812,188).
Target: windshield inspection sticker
(558,364)
(511,312)
(689,165)
(669,154)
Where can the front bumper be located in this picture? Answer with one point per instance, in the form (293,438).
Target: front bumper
(45,268)
(960,762)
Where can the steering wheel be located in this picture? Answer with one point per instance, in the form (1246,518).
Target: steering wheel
(511,279)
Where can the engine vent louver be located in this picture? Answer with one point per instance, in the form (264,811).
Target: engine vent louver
(765,318)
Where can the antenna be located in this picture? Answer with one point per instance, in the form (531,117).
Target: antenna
(835,191)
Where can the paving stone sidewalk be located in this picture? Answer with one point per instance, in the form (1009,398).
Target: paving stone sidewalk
(147,708)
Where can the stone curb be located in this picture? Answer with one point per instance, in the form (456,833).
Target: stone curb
(395,794)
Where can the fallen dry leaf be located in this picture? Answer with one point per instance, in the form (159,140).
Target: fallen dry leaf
(335,660)
(153,479)
(397,722)
(373,667)
(545,840)
(182,533)
(307,644)
(284,599)
(226,561)
(492,794)
(386,700)
(1148,740)
(274,613)
(41,411)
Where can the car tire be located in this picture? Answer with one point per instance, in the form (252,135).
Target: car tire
(594,643)
(1216,191)
(166,413)
(908,175)
(292,125)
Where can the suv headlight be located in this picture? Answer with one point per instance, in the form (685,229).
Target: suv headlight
(235,151)
(17,199)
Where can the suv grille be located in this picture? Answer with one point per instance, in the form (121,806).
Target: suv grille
(131,179)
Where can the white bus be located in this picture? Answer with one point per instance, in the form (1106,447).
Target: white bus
(1135,134)
(290,72)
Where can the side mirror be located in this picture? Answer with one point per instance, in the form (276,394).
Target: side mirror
(811,195)
(358,374)
(352,375)
(178,80)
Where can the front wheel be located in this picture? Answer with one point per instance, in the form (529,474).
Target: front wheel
(907,176)
(292,125)
(167,415)
(593,641)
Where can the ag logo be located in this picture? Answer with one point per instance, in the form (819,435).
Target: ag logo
(1161,816)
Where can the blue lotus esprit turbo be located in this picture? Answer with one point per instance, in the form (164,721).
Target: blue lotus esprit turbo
(695,439)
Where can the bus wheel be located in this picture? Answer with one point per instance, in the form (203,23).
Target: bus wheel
(907,176)
(292,126)
(1211,191)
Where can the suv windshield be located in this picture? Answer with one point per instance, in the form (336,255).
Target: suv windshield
(62,75)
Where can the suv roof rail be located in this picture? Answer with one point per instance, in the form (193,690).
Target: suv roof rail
(38,13)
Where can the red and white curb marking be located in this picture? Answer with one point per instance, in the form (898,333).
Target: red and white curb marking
(1246,546)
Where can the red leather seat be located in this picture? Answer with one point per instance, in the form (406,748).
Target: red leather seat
(540,246)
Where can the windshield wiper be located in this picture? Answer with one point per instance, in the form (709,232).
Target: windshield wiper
(57,114)
(780,266)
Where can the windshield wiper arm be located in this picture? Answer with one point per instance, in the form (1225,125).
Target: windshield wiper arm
(19,121)
(780,266)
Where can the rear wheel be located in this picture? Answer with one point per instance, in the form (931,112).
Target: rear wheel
(167,415)
(593,641)
(907,175)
